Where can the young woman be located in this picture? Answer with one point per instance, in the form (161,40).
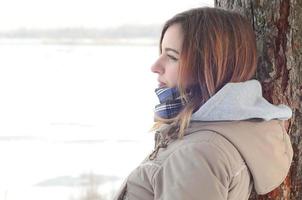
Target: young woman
(216,136)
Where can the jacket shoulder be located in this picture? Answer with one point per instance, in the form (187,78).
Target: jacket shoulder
(205,143)
(206,161)
(197,166)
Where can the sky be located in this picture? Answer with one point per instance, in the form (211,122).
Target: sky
(46,14)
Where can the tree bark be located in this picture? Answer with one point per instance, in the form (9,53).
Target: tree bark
(278,29)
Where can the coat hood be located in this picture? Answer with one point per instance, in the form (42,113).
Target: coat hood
(255,127)
(240,101)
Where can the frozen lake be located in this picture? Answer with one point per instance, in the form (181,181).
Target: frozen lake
(69,110)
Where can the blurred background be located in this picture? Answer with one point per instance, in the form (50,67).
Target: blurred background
(77,94)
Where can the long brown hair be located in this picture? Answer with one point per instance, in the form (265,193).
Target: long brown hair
(219,47)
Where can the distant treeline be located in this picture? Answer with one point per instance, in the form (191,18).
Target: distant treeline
(126,31)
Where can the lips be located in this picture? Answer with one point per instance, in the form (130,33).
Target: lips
(162,84)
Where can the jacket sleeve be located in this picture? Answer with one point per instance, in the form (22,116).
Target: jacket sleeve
(198,171)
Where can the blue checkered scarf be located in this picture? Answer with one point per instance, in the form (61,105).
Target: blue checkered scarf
(170,103)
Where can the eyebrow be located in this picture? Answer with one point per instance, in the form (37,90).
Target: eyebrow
(170,49)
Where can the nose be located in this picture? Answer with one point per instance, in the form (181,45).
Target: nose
(157,67)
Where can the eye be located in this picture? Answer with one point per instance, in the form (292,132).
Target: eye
(172,57)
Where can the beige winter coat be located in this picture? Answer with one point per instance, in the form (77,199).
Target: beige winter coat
(217,160)
(206,164)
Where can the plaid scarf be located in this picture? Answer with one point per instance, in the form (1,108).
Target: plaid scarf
(170,103)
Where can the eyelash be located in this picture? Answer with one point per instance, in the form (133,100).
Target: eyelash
(172,58)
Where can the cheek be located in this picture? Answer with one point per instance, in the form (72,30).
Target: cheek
(172,76)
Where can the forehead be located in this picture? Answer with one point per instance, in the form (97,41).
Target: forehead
(173,38)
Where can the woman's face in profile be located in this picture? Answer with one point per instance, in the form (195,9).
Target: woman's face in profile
(167,64)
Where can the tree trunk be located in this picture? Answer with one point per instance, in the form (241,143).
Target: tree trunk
(278,28)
